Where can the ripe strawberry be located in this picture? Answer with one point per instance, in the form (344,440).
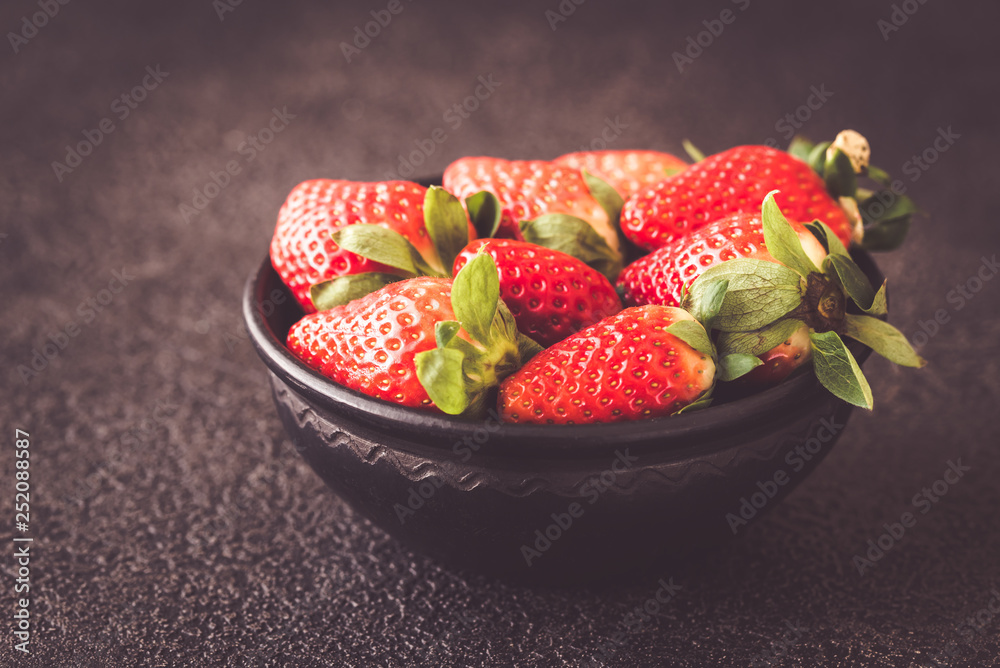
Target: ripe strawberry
(425,342)
(624,367)
(527,189)
(734,181)
(774,295)
(303,251)
(551,294)
(663,276)
(628,172)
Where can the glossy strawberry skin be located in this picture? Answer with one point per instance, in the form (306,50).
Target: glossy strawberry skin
(369,345)
(624,367)
(628,172)
(527,189)
(734,181)
(551,294)
(302,250)
(661,276)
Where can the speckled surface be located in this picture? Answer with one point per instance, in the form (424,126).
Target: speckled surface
(173,523)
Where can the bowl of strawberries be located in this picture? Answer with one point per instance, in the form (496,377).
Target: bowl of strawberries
(563,371)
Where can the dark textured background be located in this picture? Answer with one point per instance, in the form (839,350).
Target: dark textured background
(174,524)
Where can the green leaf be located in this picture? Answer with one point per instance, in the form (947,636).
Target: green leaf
(887,231)
(800,148)
(886,235)
(782,241)
(485,212)
(879,305)
(735,365)
(838,371)
(704,401)
(878,175)
(445,331)
(380,245)
(692,150)
(606,196)
(573,236)
(839,175)
(759,293)
(852,278)
(440,372)
(712,295)
(344,289)
(759,341)
(527,347)
(447,225)
(817,157)
(475,293)
(884,339)
(692,333)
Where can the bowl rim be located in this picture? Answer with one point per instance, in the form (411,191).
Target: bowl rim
(695,433)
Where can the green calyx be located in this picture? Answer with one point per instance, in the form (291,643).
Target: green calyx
(882,213)
(766,302)
(573,236)
(447,226)
(459,373)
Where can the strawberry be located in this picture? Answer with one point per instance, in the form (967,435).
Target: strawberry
(551,294)
(664,275)
(771,291)
(529,189)
(424,342)
(734,181)
(628,172)
(625,367)
(303,250)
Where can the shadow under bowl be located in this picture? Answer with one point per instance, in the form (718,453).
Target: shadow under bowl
(552,504)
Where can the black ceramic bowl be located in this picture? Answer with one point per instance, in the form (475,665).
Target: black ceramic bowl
(547,503)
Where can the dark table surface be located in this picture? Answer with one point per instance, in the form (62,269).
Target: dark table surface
(173,523)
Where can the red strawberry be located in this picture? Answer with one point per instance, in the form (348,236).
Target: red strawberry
(628,172)
(551,294)
(425,342)
(302,250)
(624,367)
(734,181)
(527,189)
(664,275)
